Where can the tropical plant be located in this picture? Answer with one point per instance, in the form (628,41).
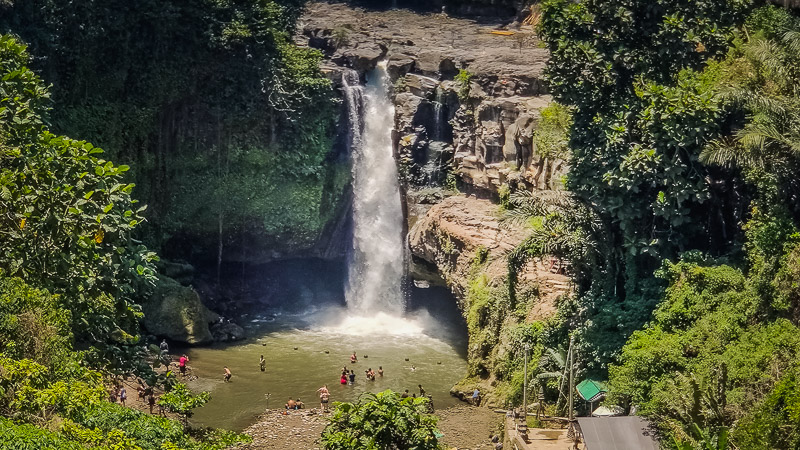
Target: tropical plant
(67,216)
(767,147)
(560,225)
(381,421)
(182,401)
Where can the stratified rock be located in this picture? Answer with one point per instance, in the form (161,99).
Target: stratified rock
(176,312)
(449,236)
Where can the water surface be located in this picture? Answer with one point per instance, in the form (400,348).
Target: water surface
(431,336)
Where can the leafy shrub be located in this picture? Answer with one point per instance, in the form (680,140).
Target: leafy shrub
(381,421)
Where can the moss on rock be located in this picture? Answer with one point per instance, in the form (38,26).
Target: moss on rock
(176,312)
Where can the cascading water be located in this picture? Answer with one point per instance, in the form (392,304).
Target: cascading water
(376,263)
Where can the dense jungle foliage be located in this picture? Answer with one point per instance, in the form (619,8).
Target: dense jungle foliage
(681,216)
(226,125)
(70,275)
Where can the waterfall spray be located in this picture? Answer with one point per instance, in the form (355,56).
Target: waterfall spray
(376,262)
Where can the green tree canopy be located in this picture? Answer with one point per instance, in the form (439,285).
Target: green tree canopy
(66,216)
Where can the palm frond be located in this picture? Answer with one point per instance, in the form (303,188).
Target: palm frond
(791,39)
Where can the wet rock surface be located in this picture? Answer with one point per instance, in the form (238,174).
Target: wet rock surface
(478,130)
(176,312)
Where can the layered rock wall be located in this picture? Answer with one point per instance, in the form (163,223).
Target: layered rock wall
(468,95)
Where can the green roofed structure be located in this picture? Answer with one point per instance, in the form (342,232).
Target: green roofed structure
(591,390)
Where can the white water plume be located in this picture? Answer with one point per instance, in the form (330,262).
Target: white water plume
(376,263)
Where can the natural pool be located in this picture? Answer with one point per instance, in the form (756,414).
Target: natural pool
(431,336)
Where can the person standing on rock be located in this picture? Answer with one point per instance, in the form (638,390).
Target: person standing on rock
(476,397)
(263,364)
(421,391)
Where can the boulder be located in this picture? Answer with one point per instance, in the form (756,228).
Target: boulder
(421,85)
(227,331)
(176,312)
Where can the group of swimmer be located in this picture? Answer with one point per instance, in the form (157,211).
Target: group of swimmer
(349,376)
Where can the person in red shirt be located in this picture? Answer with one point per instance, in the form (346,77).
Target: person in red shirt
(182,364)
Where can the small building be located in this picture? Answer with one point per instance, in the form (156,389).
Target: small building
(591,391)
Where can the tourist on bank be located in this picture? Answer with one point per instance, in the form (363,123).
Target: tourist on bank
(476,397)
(263,363)
(404,394)
(421,391)
(151,401)
(123,395)
(141,391)
(299,404)
(227,374)
(291,404)
(182,364)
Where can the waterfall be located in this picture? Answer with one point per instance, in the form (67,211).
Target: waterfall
(438,116)
(376,262)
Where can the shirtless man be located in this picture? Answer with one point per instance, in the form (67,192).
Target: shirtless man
(324,395)
(353,358)
(227,374)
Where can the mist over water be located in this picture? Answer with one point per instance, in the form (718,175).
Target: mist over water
(377,260)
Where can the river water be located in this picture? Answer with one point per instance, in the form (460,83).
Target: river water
(431,335)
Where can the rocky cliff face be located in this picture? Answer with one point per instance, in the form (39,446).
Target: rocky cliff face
(468,95)
(465,241)
(460,233)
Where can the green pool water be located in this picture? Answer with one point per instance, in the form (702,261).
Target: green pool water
(309,349)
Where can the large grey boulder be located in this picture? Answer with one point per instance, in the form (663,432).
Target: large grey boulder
(176,312)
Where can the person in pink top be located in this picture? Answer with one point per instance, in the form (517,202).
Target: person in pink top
(182,364)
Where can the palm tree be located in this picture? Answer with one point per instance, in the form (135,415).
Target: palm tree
(769,142)
(560,225)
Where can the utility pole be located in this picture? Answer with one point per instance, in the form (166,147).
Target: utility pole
(525,386)
(571,396)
